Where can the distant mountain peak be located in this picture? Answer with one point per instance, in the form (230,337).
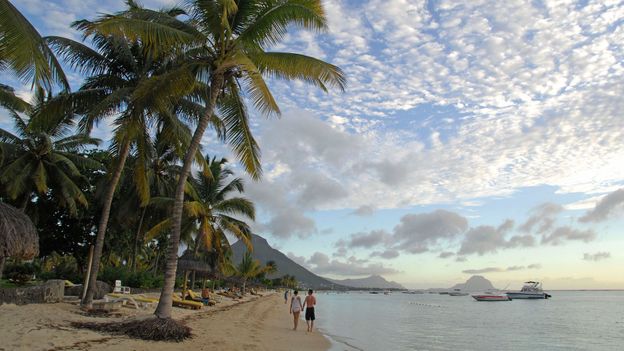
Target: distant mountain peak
(263,252)
(374,281)
(475,283)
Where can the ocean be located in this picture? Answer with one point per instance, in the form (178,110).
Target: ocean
(570,320)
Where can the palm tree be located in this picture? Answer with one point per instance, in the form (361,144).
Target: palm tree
(216,211)
(226,48)
(154,176)
(249,268)
(118,70)
(23,50)
(44,157)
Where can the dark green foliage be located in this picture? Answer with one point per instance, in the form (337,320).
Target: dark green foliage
(20,273)
(143,280)
(56,266)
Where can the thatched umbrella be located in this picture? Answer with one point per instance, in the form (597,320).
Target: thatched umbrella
(188,263)
(18,235)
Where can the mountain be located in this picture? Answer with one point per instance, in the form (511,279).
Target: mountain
(475,283)
(372,282)
(263,252)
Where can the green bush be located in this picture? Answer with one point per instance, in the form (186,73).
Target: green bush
(143,280)
(20,273)
(56,266)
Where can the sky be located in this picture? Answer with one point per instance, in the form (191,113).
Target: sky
(474,137)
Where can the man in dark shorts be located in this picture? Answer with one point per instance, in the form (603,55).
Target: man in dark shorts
(309,301)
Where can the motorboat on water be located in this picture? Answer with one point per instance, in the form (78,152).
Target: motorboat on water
(491,297)
(457,292)
(413,292)
(530,290)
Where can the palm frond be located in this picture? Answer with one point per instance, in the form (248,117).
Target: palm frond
(23,49)
(238,131)
(290,66)
(272,19)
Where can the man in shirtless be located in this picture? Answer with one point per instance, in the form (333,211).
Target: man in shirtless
(309,301)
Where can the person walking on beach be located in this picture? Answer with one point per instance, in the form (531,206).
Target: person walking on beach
(295,308)
(285,297)
(310,301)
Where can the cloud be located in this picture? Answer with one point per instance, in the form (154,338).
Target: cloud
(543,218)
(499,269)
(561,234)
(299,259)
(287,223)
(446,254)
(483,270)
(598,256)
(387,254)
(605,207)
(320,263)
(488,239)
(365,211)
(417,232)
(366,240)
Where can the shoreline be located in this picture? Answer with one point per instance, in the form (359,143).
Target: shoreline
(255,323)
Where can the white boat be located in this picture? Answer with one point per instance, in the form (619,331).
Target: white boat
(491,297)
(530,290)
(458,292)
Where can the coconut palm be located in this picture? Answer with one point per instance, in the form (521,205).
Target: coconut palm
(226,48)
(118,70)
(216,211)
(43,157)
(154,176)
(24,52)
(249,268)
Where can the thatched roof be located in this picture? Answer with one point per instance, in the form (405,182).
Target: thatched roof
(188,263)
(18,235)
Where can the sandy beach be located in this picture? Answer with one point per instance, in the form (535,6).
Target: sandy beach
(255,323)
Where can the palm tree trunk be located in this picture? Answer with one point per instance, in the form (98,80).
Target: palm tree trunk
(195,251)
(99,241)
(137,239)
(165,304)
(2,259)
(25,202)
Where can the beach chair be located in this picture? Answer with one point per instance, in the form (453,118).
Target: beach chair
(145,301)
(124,299)
(178,302)
(198,298)
(121,289)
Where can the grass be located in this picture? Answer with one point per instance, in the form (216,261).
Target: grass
(4,283)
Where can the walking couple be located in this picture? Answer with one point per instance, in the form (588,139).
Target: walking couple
(296,307)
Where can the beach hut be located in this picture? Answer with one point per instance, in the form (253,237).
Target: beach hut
(18,235)
(188,263)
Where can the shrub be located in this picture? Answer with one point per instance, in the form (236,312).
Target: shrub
(20,273)
(143,280)
(56,266)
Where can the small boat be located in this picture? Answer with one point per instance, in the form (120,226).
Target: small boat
(373,292)
(386,293)
(457,292)
(491,297)
(531,290)
(443,293)
(413,292)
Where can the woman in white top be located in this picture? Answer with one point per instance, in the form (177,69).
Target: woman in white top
(295,308)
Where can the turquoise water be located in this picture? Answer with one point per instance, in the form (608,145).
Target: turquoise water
(571,320)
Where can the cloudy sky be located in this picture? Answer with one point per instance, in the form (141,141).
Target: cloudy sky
(475,137)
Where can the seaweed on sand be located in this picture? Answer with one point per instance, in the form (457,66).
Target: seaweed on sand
(158,329)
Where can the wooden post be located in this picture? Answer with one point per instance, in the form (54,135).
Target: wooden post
(85,286)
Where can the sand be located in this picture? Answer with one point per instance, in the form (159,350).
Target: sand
(256,323)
